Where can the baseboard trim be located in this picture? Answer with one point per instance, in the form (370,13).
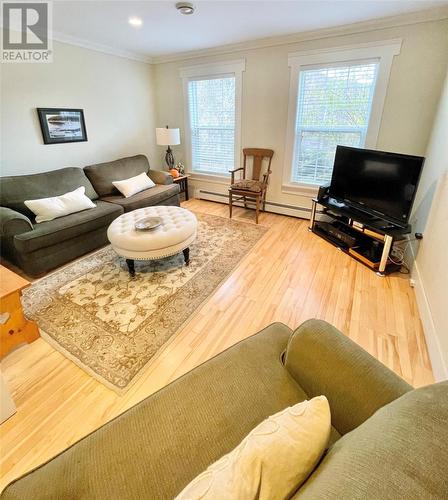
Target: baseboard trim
(439,364)
(271,206)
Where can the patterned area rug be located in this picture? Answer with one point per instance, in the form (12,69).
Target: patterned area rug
(111,325)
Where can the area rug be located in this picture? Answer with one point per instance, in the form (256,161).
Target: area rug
(112,325)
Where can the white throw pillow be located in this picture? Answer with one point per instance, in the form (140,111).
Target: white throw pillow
(272,461)
(134,185)
(46,209)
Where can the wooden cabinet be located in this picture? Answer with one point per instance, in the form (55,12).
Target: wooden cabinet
(15,329)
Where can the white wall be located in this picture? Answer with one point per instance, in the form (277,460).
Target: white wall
(115,93)
(431,266)
(411,101)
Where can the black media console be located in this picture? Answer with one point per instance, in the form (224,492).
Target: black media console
(365,237)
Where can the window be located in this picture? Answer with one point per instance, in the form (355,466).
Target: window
(212,96)
(333,108)
(336,98)
(212,124)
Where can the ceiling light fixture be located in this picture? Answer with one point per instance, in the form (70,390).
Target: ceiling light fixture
(135,21)
(185,8)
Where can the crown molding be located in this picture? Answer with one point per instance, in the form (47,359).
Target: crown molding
(235,66)
(97,47)
(436,14)
(351,52)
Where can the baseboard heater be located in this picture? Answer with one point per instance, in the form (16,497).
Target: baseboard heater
(271,206)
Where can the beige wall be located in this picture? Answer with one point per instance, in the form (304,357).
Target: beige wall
(115,93)
(124,100)
(431,267)
(415,85)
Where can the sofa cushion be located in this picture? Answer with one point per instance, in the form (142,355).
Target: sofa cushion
(102,175)
(156,448)
(147,198)
(398,453)
(53,232)
(14,190)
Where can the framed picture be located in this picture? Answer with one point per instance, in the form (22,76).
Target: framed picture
(62,125)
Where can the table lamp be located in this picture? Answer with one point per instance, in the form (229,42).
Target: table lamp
(168,137)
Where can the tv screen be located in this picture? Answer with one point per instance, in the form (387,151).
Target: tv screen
(377,182)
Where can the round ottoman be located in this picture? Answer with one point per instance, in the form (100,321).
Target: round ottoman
(175,234)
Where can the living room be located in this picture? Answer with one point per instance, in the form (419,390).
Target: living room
(218,217)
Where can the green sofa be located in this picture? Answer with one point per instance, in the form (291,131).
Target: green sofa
(388,441)
(38,248)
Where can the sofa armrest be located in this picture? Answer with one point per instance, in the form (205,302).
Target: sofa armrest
(324,361)
(12,222)
(160,177)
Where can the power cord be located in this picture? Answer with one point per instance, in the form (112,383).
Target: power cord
(398,252)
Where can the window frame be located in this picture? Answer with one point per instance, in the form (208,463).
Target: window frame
(232,68)
(383,52)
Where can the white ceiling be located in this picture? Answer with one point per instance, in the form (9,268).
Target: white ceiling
(214,23)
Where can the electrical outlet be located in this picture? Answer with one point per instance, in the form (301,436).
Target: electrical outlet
(412,282)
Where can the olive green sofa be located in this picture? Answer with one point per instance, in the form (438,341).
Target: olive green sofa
(38,248)
(388,441)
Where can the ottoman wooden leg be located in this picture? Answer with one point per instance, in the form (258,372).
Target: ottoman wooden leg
(131,267)
(186,253)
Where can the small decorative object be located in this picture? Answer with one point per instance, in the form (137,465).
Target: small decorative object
(60,125)
(148,223)
(180,167)
(174,172)
(168,137)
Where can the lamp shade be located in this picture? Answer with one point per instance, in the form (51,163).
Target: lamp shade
(167,136)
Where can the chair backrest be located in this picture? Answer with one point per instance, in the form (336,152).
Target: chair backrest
(258,155)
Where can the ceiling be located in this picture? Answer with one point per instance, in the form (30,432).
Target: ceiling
(165,31)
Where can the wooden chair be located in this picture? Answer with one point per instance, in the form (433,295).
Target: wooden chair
(251,190)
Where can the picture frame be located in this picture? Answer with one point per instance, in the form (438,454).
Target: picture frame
(62,125)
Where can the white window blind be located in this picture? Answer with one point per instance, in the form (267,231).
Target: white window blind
(333,108)
(211,104)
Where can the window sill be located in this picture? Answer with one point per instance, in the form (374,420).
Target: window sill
(216,179)
(307,190)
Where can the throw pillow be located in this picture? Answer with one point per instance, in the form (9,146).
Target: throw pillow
(47,209)
(272,461)
(134,185)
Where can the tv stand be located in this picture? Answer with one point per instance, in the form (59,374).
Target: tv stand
(364,237)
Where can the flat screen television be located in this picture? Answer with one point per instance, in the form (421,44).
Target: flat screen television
(378,183)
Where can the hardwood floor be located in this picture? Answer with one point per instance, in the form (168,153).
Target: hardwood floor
(290,276)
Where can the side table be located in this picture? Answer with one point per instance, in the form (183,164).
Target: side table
(182,180)
(15,329)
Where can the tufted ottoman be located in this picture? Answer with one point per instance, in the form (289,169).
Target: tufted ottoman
(176,232)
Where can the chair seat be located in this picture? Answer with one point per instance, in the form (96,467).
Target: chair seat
(248,185)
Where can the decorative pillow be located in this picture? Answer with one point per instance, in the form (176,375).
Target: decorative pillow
(272,461)
(134,185)
(47,209)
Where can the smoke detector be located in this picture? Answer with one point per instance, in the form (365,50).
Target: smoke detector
(185,8)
